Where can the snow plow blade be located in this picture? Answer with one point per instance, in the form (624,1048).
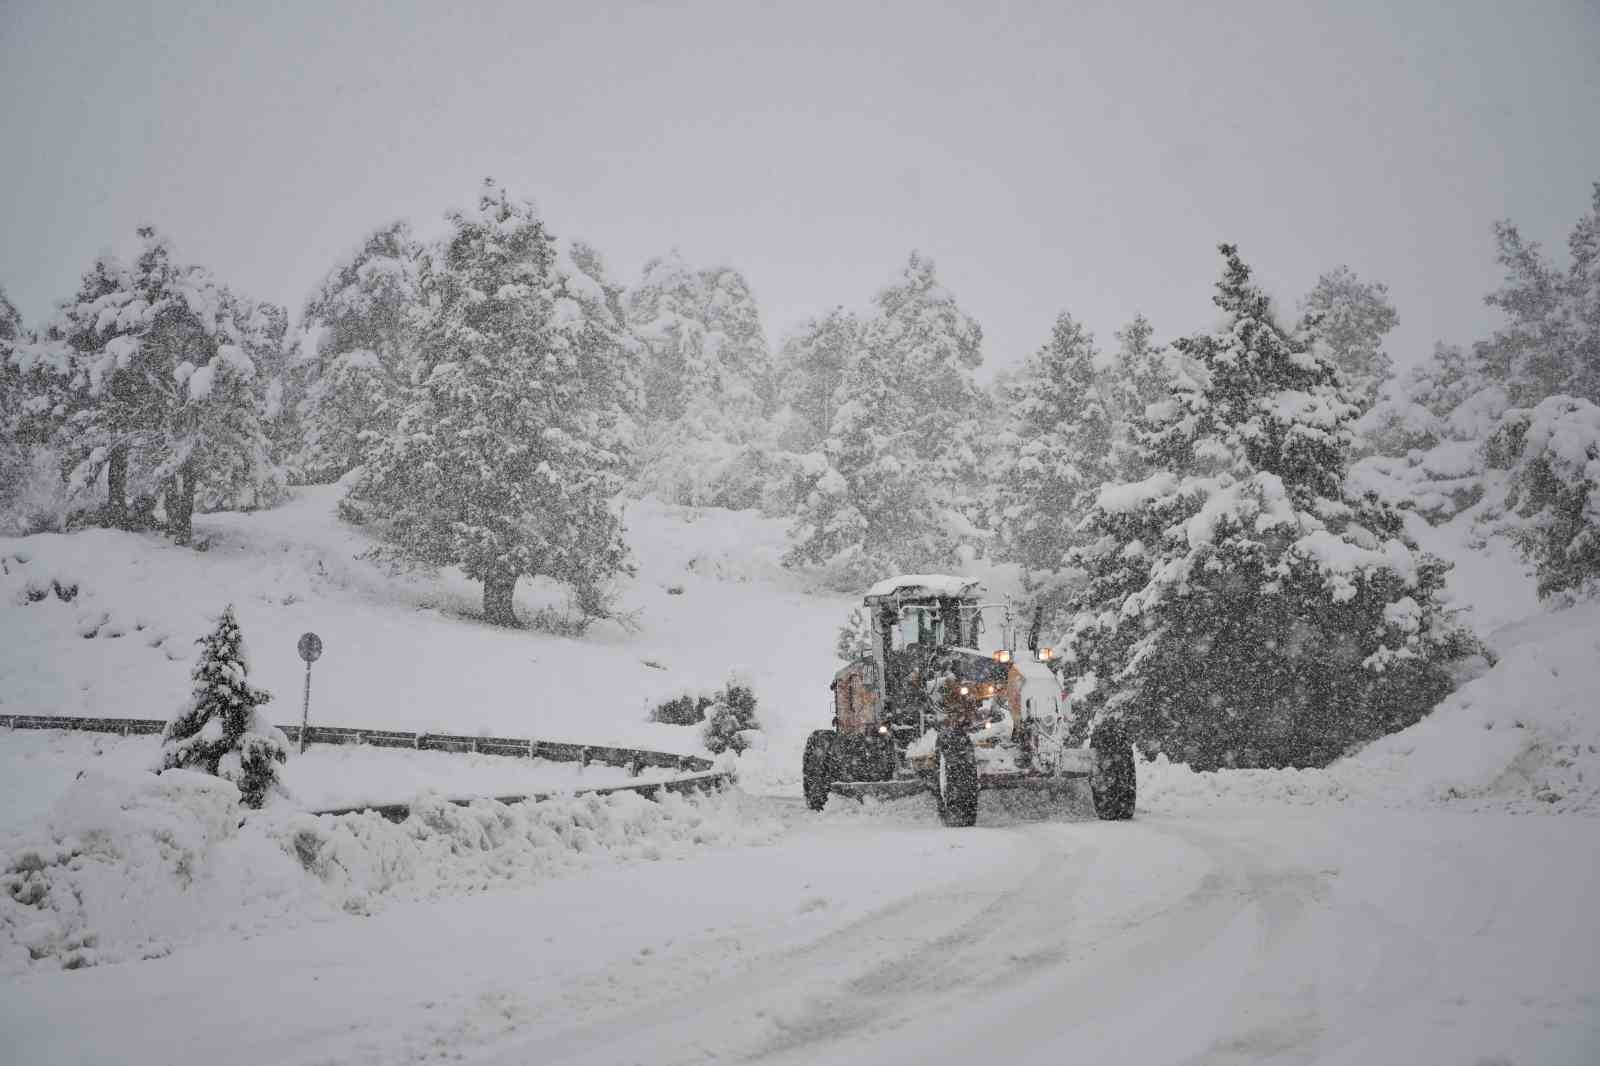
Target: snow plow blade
(897,789)
(1039,781)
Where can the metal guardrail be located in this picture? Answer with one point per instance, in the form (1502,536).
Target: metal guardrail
(700,782)
(699,773)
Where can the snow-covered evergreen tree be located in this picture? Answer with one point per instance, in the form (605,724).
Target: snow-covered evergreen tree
(928,348)
(1550,344)
(1140,375)
(866,508)
(510,447)
(361,325)
(1058,449)
(1351,317)
(167,395)
(221,730)
(1447,433)
(731,713)
(12,397)
(708,384)
(1554,500)
(901,464)
(1242,607)
(812,366)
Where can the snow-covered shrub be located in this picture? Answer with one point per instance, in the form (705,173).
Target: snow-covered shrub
(687,709)
(1554,501)
(33,495)
(221,730)
(730,716)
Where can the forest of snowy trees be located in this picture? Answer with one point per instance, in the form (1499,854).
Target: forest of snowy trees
(1213,528)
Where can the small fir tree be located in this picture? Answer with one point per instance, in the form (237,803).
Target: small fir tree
(221,731)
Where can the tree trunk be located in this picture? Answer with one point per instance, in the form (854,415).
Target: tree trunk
(497,596)
(116,515)
(180,504)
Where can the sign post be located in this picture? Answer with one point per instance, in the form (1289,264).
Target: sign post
(310,650)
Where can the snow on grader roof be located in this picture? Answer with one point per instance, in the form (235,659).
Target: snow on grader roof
(911,585)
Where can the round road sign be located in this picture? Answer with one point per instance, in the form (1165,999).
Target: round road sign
(310,647)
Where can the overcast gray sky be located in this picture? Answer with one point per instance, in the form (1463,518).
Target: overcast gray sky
(1054,156)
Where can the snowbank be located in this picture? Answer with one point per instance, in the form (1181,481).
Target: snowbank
(1524,737)
(39,766)
(126,868)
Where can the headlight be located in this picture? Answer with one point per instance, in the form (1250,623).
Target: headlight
(1046,654)
(883,730)
(1002,656)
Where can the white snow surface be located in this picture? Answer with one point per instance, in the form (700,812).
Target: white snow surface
(1426,899)
(924,585)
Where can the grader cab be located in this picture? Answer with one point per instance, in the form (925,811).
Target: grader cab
(927,709)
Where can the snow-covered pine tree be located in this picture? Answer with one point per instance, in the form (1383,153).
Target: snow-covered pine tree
(1351,317)
(1443,433)
(1058,447)
(510,447)
(167,393)
(1553,505)
(1139,376)
(813,362)
(1550,344)
(221,730)
(708,384)
(1242,607)
(866,509)
(928,348)
(361,326)
(901,463)
(12,391)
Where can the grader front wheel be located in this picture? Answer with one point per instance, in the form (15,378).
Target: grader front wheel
(957,780)
(819,767)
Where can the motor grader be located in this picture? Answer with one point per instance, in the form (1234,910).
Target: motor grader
(927,710)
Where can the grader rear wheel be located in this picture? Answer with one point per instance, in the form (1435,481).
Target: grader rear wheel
(1112,782)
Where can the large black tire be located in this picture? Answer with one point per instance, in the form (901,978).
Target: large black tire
(818,768)
(1112,783)
(956,779)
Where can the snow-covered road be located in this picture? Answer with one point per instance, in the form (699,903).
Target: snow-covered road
(1258,934)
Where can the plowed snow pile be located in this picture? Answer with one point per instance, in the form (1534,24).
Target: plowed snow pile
(1523,737)
(129,867)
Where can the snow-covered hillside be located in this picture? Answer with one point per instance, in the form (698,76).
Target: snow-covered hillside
(407,652)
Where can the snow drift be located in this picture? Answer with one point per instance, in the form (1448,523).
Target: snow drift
(127,868)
